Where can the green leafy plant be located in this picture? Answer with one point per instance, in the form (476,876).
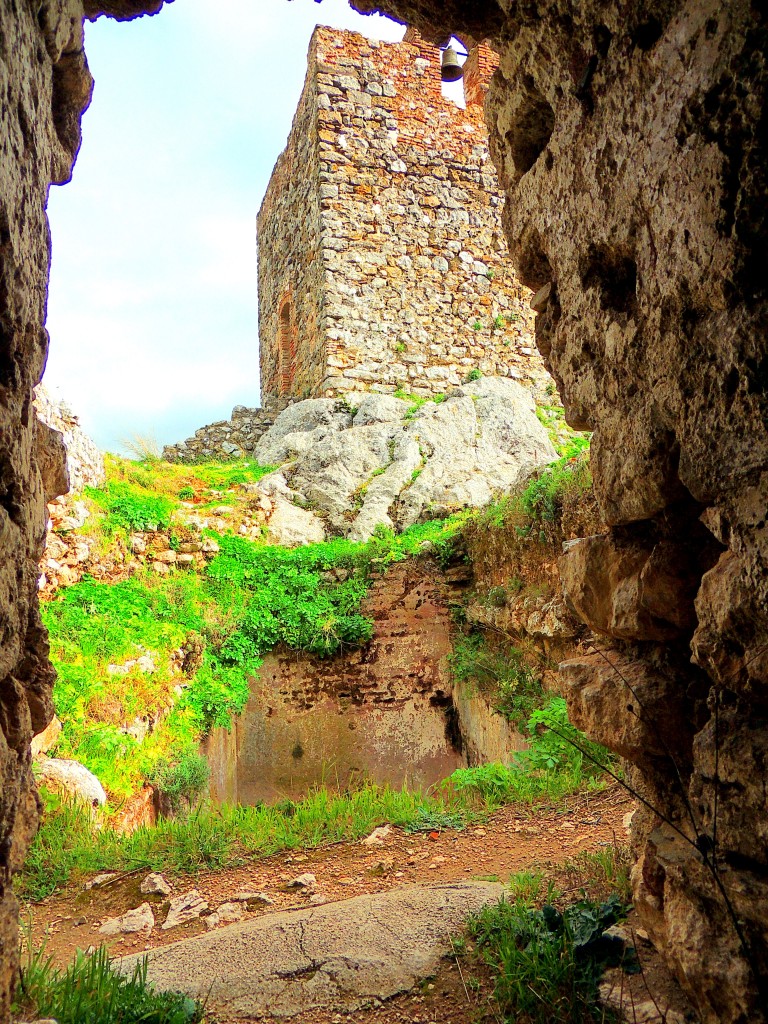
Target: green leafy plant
(474,374)
(547,963)
(131,507)
(553,765)
(477,325)
(186,493)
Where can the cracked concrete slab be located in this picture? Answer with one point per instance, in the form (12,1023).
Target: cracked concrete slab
(340,956)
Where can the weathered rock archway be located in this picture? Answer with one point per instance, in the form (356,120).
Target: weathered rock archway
(631,141)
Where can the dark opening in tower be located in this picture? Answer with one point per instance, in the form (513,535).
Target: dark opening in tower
(286,348)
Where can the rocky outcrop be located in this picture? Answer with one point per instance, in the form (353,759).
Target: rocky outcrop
(374,460)
(631,141)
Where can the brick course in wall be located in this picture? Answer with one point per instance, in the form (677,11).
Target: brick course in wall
(382,262)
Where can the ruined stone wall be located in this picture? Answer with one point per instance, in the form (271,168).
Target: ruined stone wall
(631,141)
(390,711)
(413,283)
(234,438)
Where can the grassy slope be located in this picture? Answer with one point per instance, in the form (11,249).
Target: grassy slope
(177,649)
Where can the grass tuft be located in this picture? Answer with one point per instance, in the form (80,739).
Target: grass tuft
(91,991)
(70,844)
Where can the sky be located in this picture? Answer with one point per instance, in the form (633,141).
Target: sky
(152,308)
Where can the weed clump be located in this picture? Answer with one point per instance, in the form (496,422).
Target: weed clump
(513,689)
(547,963)
(559,760)
(91,991)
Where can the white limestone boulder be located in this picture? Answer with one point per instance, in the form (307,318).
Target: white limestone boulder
(71,779)
(355,463)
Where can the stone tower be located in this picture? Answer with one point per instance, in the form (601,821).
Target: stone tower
(382,262)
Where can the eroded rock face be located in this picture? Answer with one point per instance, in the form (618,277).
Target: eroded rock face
(45,87)
(631,142)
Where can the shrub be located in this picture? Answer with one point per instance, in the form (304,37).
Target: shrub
(474,374)
(183,778)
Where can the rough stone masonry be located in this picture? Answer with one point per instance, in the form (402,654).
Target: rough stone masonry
(631,140)
(382,262)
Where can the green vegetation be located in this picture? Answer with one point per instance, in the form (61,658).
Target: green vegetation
(547,963)
(152,476)
(70,844)
(131,507)
(567,443)
(553,765)
(417,401)
(501,675)
(91,991)
(537,509)
(474,374)
(248,599)
(181,779)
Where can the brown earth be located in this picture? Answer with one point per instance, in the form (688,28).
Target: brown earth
(512,839)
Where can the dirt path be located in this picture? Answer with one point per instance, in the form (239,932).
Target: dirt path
(512,839)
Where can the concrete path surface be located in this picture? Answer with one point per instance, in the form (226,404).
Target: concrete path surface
(340,956)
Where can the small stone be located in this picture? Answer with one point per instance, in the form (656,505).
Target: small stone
(186,907)
(377,837)
(305,881)
(229,912)
(253,897)
(540,300)
(212,921)
(138,920)
(155,885)
(317,899)
(99,880)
